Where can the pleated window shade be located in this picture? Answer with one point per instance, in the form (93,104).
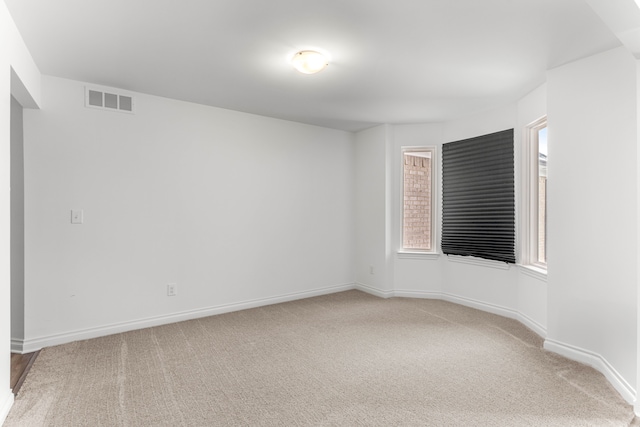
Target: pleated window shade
(478,197)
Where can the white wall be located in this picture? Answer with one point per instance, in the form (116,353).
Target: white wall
(19,77)
(532,288)
(237,209)
(494,286)
(17,221)
(637,403)
(592,213)
(414,275)
(370,209)
(6,397)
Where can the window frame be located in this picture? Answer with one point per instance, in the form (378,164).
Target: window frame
(530,201)
(404,252)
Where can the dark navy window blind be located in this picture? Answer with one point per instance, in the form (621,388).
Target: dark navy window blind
(478,197)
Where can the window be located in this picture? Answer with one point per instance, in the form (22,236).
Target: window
(418,166)
(535,250)
(478,197)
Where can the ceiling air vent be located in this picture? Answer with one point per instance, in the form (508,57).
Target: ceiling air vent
(108,101)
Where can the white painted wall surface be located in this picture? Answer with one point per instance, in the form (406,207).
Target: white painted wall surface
(26,78)
(370,209)
(593,210)
(490,121)
(234,208)
(493,287)
(637,402)
(532,290)
(6,397)
(17,221)
(414,275)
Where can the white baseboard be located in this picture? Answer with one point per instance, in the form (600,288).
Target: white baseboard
(17,345)
(481,305)
(468,302)
(5,406)
(374,291)
(532,324)
(499,310)
(597,362)
(35,344)
(417,294)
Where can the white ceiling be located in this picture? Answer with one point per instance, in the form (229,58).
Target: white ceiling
(392,61)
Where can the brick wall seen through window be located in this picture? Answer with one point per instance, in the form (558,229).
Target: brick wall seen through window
(416,230)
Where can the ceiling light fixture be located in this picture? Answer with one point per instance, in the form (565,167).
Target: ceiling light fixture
(309,61)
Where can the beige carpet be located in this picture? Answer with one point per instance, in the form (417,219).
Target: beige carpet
(347,359)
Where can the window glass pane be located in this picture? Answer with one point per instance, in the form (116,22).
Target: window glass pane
(416,230)
(542,195)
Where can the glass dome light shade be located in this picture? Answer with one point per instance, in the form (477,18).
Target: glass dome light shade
(309,61)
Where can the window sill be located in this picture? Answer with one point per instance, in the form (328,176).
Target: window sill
(418,255)
(535,272)
(478,261)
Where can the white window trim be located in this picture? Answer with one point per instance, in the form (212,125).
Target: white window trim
(408,253)
(529,250)
(405,254)
(471,260)
(535,272)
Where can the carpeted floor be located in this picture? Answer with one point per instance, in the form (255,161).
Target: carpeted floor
(347,359)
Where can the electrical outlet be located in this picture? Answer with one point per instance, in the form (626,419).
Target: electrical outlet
(371,269)
(172,289)
(77,216)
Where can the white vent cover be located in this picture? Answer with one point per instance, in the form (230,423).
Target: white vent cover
(108,101)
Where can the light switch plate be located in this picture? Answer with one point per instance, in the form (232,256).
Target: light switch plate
(77,216)
(172,289)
